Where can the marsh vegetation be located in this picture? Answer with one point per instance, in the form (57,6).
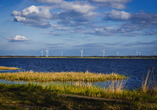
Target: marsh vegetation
(14,98)
(35,96)
(61,76)
(8,68)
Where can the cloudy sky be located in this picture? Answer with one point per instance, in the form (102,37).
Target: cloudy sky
(29,26)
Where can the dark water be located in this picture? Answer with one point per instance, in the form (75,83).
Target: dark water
(136,69)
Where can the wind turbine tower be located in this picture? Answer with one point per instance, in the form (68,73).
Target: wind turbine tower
(104,52)
(155,53)
(139,53)
(117,53)
(42,53)
(81,52)
(47,52)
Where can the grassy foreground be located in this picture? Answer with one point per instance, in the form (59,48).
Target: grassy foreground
(8,68)
(61,76)
(48,97)
(39,97)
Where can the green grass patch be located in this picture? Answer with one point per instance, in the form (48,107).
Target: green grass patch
(8,68)
(61,76)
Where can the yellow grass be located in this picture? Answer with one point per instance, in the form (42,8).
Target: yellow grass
(8,68)
(150,81)
(60,76)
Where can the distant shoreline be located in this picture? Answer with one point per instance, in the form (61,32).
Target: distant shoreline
(86,57)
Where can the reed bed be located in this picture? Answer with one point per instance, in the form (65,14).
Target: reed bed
(8,68)
(61,76)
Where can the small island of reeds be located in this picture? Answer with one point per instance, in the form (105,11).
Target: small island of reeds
(8,68)
(61,76)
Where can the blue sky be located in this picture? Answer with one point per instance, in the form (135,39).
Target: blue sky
(29,26)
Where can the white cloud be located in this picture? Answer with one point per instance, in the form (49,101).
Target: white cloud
(78,6)
(16,13)
(49,1)
(82,7)
(117,15)
(119,1)
(34,11)
(96,31)
(62,28)
(144,18)
(111,28)
(118,4)
(33,16)
(53,33)
(32,22)
(17,38)
(83,13)
(39,16)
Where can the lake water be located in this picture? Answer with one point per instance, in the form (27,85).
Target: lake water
(136,69)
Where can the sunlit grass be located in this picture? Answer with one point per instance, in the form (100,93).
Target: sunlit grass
(8,68)
(61,76)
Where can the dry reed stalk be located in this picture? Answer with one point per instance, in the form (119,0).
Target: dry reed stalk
(111,87)
(120,85)
(117,86)
(144,85)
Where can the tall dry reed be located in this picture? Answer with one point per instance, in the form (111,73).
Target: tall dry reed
(150,81)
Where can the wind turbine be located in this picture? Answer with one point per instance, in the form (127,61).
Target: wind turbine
(117,53)
(47,52)
(81,52)
(42,53)
(138,53)
(104,52)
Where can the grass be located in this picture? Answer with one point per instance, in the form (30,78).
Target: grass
(46,96)
(8,68)
(19,99)
(33,95)
(89,90)
(61,76)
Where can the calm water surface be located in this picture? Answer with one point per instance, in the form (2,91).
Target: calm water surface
(136,69)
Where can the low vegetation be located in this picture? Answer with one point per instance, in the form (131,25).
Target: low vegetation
(60,76)
(23,97)
(35,96)
(8,68)
(114,91)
